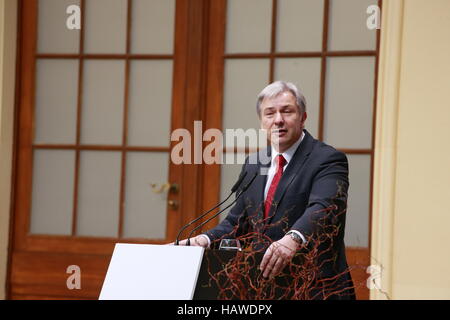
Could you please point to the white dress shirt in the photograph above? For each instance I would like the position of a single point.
(288, 154)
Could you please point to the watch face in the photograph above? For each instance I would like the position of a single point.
(295, 237)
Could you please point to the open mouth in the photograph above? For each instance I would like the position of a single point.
(279, 132)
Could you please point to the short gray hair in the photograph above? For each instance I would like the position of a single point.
(278, 87)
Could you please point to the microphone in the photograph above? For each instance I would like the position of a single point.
(219, 212)
(233, 190)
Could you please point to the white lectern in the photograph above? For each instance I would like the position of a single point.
(152, 272)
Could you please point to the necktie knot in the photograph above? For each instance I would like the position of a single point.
(281, 161)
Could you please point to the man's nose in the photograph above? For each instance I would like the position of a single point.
(278, 118)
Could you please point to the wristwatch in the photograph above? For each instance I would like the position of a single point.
(295, 236)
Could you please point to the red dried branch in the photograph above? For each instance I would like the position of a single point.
(301, 279)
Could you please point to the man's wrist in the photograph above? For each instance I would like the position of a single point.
(296, 236)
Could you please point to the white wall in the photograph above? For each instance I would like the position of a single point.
(411, 212)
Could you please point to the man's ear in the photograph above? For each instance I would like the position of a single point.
(303, 119)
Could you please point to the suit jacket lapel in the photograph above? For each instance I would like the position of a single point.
(297, 161)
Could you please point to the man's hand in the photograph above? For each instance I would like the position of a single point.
(277, 256)
(198, 241)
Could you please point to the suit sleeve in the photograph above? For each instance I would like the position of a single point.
(328, 198)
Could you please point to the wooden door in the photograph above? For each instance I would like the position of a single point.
(95, 112)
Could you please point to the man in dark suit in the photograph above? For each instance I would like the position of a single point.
(295, 199)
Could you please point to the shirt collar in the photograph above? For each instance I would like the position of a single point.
(289, 153)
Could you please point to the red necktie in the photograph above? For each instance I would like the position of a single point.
(281, 161)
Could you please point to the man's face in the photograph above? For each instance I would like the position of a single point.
(282, 119)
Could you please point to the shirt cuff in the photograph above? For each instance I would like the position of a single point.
(299, 234)
(207, 239)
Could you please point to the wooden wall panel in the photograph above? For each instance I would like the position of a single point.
(43, 275)
(358, 260)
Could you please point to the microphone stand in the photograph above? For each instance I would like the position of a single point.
(233, 190)
(219, 212)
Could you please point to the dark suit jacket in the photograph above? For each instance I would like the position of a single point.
(316, 178)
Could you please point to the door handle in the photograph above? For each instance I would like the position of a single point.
(171, 187)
